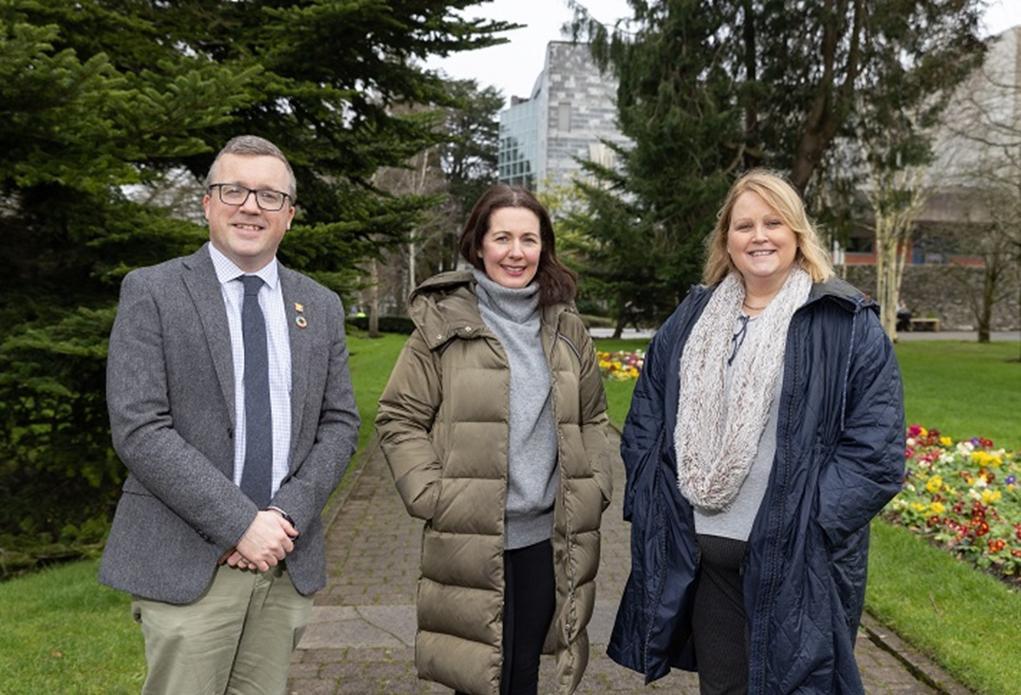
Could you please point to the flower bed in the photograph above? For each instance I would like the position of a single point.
(963, 496)
(621, 366)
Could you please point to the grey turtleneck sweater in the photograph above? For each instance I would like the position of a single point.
(532, 475)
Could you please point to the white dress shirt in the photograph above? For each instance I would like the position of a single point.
(271, 301)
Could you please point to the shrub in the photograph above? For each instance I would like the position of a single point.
(387, 324)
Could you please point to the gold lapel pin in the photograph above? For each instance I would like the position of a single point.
(300, 320)
(299, 307)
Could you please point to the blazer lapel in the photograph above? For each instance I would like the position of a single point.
(205, 292)
(301, 340)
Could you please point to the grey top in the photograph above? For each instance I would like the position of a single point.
(532, 475)
(736, 522)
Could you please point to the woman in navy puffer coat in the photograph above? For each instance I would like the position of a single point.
(839, 457)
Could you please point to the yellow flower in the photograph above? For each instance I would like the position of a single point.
(922, 432)
(989, 496)
(934, 484)
(918, 506)
(937, 508)
(984, 458)
(946, 441)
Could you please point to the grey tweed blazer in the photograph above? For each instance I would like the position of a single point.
(170, 393)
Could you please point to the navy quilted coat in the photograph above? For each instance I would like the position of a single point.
(839, 459)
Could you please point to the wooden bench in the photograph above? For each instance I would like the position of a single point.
(931, 325)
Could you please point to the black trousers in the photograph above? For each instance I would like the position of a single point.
(529, 601)
(719, 624)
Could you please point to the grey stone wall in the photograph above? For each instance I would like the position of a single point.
(939, 291)
(580, 110)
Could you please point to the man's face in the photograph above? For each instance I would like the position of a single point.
(244, 233)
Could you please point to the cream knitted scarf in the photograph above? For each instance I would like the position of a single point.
(718, 432)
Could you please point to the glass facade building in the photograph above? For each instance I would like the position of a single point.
(519, 144)
(570, 112)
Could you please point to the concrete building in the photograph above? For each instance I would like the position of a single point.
(963, 235)
(571, 109)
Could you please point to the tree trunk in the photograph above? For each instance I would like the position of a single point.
(985, 317)
(374, 302)
(886, 270)
(618, 330)
(753, 150)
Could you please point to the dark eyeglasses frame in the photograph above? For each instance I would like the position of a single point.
(250, 191)
(737, 340)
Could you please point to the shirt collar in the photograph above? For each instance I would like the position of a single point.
(226, 270)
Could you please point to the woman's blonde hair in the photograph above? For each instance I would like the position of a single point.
(781, 196)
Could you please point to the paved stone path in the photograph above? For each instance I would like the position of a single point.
(362, 633)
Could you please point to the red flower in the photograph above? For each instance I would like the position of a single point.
(996, 545)
(932, 520)
(981, 528)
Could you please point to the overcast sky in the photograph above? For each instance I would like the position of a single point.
(513, 66)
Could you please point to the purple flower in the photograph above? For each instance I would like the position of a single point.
(1010, 480)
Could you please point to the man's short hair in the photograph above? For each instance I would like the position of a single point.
(254, 146)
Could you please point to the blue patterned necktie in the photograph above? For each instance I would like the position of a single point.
(256, 478)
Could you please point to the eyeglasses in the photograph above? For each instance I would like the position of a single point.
(267, 199)
(737, 340)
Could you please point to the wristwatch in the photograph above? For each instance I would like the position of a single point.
(281, 512)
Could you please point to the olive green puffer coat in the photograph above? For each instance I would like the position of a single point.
(442, 425)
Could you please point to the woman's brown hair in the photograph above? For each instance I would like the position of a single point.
(557, 282)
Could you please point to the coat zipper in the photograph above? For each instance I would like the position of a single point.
(756, 683)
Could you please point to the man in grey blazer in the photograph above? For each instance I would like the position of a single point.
(231, 406)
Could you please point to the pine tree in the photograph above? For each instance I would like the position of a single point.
(709, 88)
(104, 102)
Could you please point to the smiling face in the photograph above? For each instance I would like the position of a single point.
(244, 233)
(511, 247)
(760, 243)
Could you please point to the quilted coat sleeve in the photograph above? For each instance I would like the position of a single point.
(867, 467)
(404, 423)
(593, 418)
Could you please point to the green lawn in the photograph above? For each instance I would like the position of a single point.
(62, 632)
(964, 389)
(964, 619)
(371, 362)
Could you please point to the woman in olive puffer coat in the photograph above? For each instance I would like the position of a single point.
(494, 427)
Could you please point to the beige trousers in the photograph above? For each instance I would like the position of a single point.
(237, 638)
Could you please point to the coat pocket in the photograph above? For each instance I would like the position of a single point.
(640, 478)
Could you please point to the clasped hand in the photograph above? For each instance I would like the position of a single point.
(268, 540)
